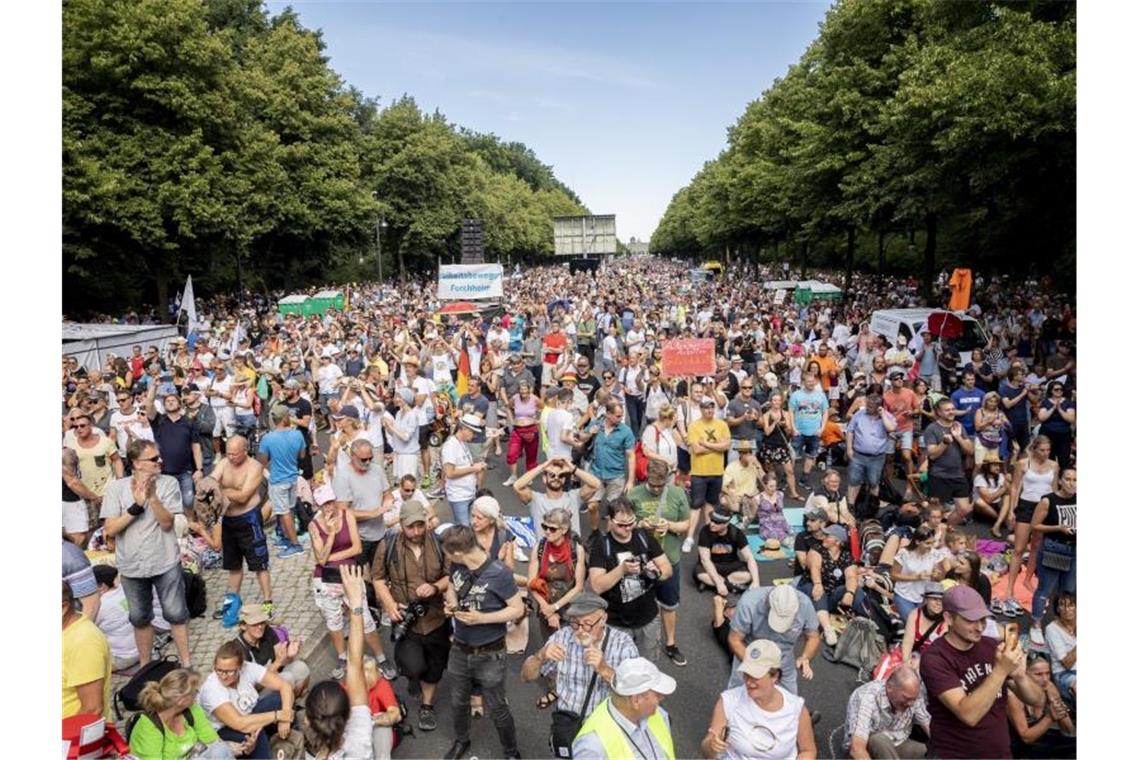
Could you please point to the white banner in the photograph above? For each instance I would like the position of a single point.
(188, 306)
(461, 282)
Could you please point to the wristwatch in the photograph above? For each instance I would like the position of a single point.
(135, 509)
(357, 610)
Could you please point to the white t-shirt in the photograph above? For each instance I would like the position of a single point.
(1060, 643)
(981, 482)
(243, 697)
(911, 563)
(357, 736)
(455, 452)
(327, 377)
(661, 444)
(558, 420)
(609, 348)
(426, 410)
(408, 425)
(221, 387)
(115, 623)
(121, 423)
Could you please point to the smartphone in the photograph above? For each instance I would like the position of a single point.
(1012, 635)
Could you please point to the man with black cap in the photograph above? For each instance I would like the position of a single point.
(811, 537)
(966, 675)
(581, 656)
(409, 573)
(724, 557)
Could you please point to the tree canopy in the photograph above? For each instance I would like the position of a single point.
(206, 137)
(953, 121)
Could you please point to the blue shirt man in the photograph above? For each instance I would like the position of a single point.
(967, 400)
(611, 442)
(808, 405)
(281, 451)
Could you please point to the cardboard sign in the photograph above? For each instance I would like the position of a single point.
(693, 356)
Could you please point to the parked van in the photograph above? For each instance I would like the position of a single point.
(891, 323)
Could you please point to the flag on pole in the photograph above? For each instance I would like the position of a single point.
(187, 306)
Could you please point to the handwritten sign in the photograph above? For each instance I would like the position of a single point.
(693, 356)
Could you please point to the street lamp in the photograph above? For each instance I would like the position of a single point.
(381, 224)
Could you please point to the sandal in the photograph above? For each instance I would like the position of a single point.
(546, 700)
(477, 709)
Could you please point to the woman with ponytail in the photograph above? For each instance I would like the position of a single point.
(172, 725)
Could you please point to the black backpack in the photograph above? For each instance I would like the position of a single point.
(127, 697)
(195, 593)
(305, 513)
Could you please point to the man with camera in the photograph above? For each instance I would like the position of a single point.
(625, 565)
(409, 577)
(482, 598)
(582, 656)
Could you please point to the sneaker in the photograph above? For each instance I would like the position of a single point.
(385, 620)
(1012, 608)
(675, 655)
(520, 555)
(435, 493)
(1036, 637)
(802, 483)
(510, 481)
(687, 545)
(290, 550)
(427, 718)
(458, 750)
(338, 672)
(388, 669)
(267, 608)
(830, 636)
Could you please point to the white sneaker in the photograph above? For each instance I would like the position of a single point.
(510, 481)
(520, 555)
(1036, 637)
(830, 636)
(687, 545)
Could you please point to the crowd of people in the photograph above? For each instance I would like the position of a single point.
(903, 487)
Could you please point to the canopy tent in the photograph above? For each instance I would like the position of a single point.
(780, 285)
(90, 343)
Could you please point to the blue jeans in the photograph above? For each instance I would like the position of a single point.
(186, 486)
(267, 702)
(461, 511)
(904, 606)
(1049, 579)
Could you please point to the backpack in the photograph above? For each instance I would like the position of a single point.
(640, 463)
(195, 593)
(860, 645)
(866, 504)
(134, 719)
(127, 697)
(305, 512)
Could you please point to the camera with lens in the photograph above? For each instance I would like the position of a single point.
(409, 616)
(649, 574)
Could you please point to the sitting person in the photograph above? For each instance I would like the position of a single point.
(739, 485)
(832, 580)
(1061, 639)
(770, 511)
(172, 723)
(913, 567)
(230, 699)
(261, 644)
(991, 491)
(1046, 731)
(86, 663)
(385, 710)
(113, 619)
(724, 556)
(832, 500)
(724, 610)
(924, 624)
(882, 714)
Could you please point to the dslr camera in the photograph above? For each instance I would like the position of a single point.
(649, 572)
(411, 614)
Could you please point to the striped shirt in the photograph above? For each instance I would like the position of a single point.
(870, 712)
(573, 675)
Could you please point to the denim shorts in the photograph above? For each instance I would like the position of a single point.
(669, 592)
(171, 596)
(905, 439)
(865, 469)
(283, 497)
(806, 445)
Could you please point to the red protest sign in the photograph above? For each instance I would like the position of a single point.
(693, 356)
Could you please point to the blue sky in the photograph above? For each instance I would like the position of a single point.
(625, 100)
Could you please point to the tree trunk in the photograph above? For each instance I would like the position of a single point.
(928, 257)
(850, 261)
(400, 260)
(803, 260)
(162, 294)
(882, 257)
(240, 283)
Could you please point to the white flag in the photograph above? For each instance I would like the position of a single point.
(187, 306)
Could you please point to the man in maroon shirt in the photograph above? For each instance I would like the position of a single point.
(966, 675)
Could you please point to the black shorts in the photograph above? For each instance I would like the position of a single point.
(724, 569)
(705, 489)
(423, 657)
(1023, 512)
(425, 436)
(948, 488)
(243, 537)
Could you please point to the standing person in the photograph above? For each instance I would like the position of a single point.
(966, 676)
(475, 402)
(363, 487)
(905, 406)
(784, 616)
(243, 536)
(559, 426)
(202, 417)
(1057, 416)
(625, 564)
(663, 508)
(1016, 398)
(281, 452)
(868, 440)
(708, 439)
(410, 579)
(927, 357)
(808, 405)
(633, 377)
(301, 417)
(1034, 478)
(968, 400)
(1055, 519)
(177, 439)
(138, 512)
(553, 344)
(403, 435)
(881, 715)
(760, 720)
(460, 470)
(98, 462)
(556, 477)
(482, 598)
(613, 460)
(631, 723)
(946, 446)
(422, 390)
(522, 418)
(128, 421)
(742, 415)
(777, 428)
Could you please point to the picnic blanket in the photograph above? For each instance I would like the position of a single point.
(795, 518)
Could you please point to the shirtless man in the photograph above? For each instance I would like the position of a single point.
(242, 532)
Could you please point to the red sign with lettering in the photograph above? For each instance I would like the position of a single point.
(693, 356)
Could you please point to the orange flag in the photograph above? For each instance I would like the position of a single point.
(960, 282)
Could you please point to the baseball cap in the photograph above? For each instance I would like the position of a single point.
(411, 512)
(783, 606)
(815, 513)
(759, 658)
(638, 675)
(706, 401)
(895, 372)
(721, 516)
(348, 410)
(407, 395)
(965, 601)
(292, 383)
(323, 494)
(838, 532)
(279, 412)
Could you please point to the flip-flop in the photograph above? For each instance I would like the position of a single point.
(546, 700)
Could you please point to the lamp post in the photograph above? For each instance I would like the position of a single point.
(381, 224)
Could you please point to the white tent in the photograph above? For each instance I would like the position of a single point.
(91, 343)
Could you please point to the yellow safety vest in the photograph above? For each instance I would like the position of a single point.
(613, 738)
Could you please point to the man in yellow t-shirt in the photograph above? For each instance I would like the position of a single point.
(741, 482)
(708, 439)
(86, 663)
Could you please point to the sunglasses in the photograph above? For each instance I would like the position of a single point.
(626, 525)
(550, 528)
(155, 458)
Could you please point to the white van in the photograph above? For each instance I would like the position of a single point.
(891, 323)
